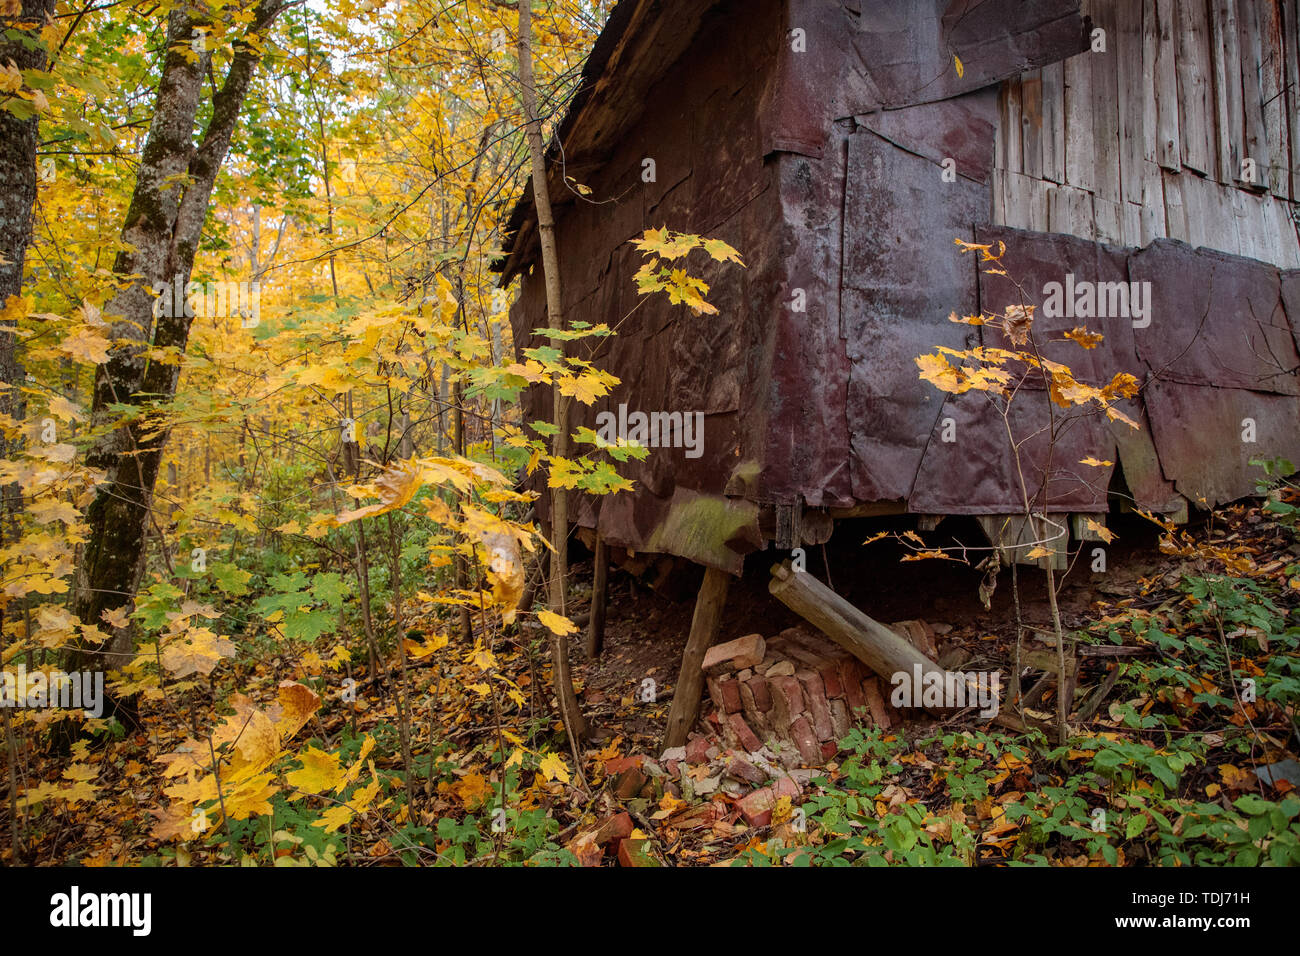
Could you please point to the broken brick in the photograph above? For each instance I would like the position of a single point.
(780, 669)
(696, 749)
(629, 783)
(616, 765)
(637, 853)
(879, 713)
(748, 739)
(742, 652)
(756, 807)
(815, 697)
(741, 769)
(801, 733)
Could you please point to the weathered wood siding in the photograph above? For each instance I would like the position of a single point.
(1155, 136)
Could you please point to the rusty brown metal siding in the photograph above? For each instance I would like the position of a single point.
(823, 169)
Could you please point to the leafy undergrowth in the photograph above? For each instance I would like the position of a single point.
(1172, 769)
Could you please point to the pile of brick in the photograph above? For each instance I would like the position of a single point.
(798, 693)
(778, 707)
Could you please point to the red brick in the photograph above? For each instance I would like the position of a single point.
(851, 676)
(742, 769)
(762, 699)
(823, 648)
(617, 765)
(617, 827)
(840, 717)
(801, 733)
(879, 713)
(715, 692)
(734, 655)
(730, 688)
(629, 783)
(756, 807)
(815, 697)
(748, 739)
(918, 634)
(696, 750)
(755, 717)
(787, 701)
(636, 853)
(829, 672)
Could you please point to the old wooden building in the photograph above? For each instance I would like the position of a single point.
(841, 146)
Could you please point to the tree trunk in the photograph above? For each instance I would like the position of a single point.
(161, 233)
(569, 709)
(19, 44)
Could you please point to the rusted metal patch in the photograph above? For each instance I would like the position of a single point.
(883, 54)
(1216, 320)
(1201, 433)
(898, 288)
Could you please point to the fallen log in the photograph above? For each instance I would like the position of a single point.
(871, 642)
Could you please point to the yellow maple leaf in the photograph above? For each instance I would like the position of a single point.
(85, 345)
(1100, 530)
(556, 623)
(320, 771)
(394, 488)
(252, 797)
(198, 653)
(297, 702)
(65, 410)
(335, 818)
(473, 790)
(1084, 338)
(552, 767)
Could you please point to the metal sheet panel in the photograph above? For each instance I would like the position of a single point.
(1201, 436)
(1217, 320)
(901, 278)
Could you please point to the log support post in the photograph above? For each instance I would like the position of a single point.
(690, 681)
(599, 592)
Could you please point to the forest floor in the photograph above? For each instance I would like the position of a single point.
(1170, 763)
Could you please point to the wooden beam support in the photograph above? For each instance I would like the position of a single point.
(599, 593)
(690, 681)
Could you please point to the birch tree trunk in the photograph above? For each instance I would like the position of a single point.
(161, 234)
